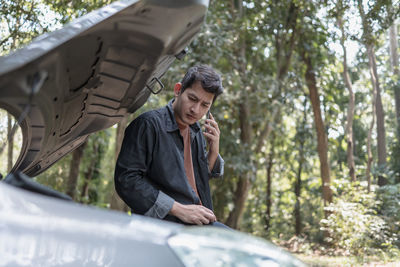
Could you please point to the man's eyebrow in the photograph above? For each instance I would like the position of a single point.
(197, 98)
(193, 95)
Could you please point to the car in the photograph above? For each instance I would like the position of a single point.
(81, 79)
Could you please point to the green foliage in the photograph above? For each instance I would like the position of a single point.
(379, 17)
(395, 161)
(389, 208)
(356, 225)
(250, 46)
(4, 144)
(56, 176)
(20, 22)
(93, 177)
(71, 9)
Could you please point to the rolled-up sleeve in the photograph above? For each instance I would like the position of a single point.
(161, 207)
(218, 169)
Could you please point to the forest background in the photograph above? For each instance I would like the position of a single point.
(310, 120)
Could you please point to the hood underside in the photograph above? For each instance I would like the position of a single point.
(89, 75)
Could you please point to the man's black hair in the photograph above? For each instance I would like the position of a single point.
(209, 78)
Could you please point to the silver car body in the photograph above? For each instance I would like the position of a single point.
(79, 80)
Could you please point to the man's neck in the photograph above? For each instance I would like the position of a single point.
(181, 125)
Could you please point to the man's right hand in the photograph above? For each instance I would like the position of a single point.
(193, 214)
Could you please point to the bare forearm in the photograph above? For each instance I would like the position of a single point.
(212, 157)
(212, 134)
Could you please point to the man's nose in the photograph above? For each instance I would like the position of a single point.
(195, 108)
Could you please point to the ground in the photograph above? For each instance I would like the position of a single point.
(330, 261)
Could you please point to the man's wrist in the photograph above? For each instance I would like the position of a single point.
(213, 153)
(176, 209)
(211, 160)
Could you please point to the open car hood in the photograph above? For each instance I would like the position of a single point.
(93, 72)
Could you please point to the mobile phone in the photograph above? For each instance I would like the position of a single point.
(207, 117)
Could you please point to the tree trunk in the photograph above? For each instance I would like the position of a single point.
(396, 72)
(219, 197)
(396, 75)
(380, 116)
(243, 184)
(369, 142)
(74, 170)
(297, 191)
(269, 164)
(284, 44)
(91, 170)
(350, 109)
(85, 188)
(297, 187)
(10, 142)
(322, 145)
(242, 189)
(98, 143)
(116, 203)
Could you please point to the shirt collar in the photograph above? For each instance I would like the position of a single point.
(171, 124)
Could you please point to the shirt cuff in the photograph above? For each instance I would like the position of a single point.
(161, 207)
(218, 169)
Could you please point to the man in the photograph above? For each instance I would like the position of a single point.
(163, 168)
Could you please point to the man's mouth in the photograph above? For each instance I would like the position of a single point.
(191, 117)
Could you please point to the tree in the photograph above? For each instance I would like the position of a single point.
(93, 155)
(280, 23)
(23, 20)
(116, 202)
(369, 142)
(268, 195)
(312, 54)
(68, 10)
(301, 136)
(381, 13)
(311, 81)
(74, 170)
(394, 60)
(394, 56)
(10, 136)
(349, 85)
(245, 127)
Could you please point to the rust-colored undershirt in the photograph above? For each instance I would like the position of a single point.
(187, 156)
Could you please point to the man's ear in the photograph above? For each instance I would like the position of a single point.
(177, 89)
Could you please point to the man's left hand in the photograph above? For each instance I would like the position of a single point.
(212, 133)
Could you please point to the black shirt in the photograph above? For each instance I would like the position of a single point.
(150, 173)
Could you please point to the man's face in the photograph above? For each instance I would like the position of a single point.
(191, 105)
